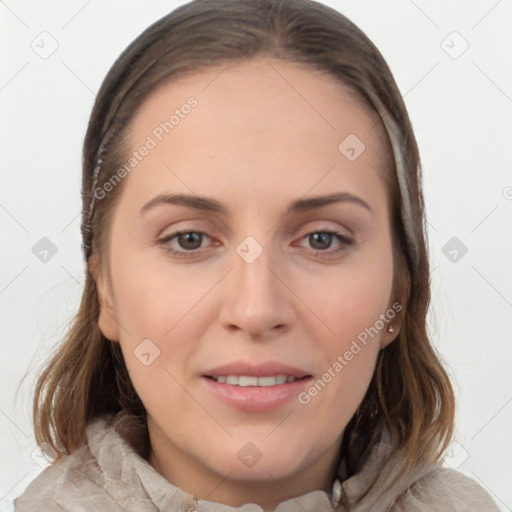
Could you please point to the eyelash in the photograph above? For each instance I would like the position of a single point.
(346, 243)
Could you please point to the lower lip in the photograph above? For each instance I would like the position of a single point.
(256, 398)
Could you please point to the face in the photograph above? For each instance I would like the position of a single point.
(260, 277)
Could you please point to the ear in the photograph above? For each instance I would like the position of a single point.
(107, 320)
(388, 337)
(395, 324)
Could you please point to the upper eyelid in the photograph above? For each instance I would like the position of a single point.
(310, 226)
(303, 232)
(335, 232)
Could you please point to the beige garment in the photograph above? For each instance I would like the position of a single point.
(107, 475)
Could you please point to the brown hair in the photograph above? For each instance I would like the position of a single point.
(410, 392)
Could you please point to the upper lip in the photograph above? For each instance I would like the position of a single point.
(265, 369)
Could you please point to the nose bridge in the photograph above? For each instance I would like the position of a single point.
(256, 284)
(256, 300)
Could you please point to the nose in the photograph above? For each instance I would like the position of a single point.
(256, 299)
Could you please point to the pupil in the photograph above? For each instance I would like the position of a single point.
(185, 238)
(324, 238)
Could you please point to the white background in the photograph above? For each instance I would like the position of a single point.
(461, 109)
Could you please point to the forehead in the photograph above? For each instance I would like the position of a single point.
(260, 125)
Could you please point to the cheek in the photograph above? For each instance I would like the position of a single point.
(353, 306)
(353, 313)
(351, 297)
(154, 299)
(160, 309)
(166, 306)
(334, 397)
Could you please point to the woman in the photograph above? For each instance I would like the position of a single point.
(238, 348)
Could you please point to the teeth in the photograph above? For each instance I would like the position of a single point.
(249, 380)
(243, 380)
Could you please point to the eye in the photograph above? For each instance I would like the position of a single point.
(321, 241)
(189, 241)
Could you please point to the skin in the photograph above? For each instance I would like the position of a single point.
(254, 143)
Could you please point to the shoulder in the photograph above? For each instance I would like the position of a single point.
(68, 484)
(75, 482)
(445, 489)
(386, 483)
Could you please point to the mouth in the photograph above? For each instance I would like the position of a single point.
(252, 386)
(255, 381)
(255, 394)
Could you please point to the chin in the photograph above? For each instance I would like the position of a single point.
(258, 460)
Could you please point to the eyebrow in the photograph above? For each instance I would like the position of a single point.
(212, 205)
